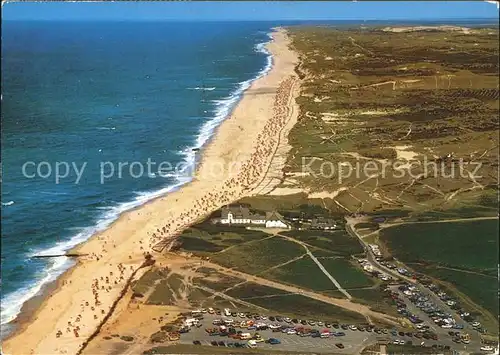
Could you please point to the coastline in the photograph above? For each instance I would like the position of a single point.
(16, 309)
(233, 140)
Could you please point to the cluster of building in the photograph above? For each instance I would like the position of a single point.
(239, 215)
(243, 216)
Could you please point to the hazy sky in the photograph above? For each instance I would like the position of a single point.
(277, 10)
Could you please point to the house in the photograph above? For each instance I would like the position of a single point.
(275, 220)
(323, 223)
(240, 215)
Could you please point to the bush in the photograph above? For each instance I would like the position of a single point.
(159, 337)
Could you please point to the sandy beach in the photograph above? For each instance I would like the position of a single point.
(233, 165)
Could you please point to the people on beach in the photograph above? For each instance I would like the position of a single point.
(162, 237)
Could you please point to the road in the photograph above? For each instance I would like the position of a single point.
(475, 336)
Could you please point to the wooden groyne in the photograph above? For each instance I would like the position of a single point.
(69, 255)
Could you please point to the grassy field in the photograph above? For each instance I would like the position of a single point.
(468, 245)
(250, 290)
(206, 238)
(348, 274)
(338, 242)
(303, 273)
(253, 258)
(464, 254)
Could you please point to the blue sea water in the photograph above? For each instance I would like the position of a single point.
(93, 92)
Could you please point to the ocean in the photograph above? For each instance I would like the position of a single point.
(80, 98)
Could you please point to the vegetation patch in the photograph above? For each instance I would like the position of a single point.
(347, 273)
(303, 273)
(251, 290)
(252, 259)
(338, 242)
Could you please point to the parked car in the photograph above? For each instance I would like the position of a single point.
(273, 341)
(196, 342)
(339, 345)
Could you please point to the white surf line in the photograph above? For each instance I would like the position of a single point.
(327, 274)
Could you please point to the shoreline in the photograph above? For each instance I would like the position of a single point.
(194, 152)
(70, 309)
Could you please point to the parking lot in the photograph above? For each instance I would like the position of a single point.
(352, 342)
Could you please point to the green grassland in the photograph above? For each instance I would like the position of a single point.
(468, 245)
(338, 242)
(255, 257)
(250, 290)
(205, 238)
(347, 273)
(303, 273)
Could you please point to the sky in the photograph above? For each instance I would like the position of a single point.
(249, 10)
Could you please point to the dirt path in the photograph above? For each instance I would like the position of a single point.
(322, 268)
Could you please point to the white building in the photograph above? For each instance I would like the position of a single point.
(239, 215)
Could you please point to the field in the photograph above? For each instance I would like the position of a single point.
(390, 98)
(250, 290)
(205, 238)
(347, 273)
(466, 245)
(303, 273)
(338, 242)
(256, 257)
(463, 254)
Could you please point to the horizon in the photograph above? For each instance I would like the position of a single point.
(249, 11)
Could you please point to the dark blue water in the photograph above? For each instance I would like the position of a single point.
(89, 93)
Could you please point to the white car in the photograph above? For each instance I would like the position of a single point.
(353, 327)
(288, 320)
(476, 324)
(446, 326)
(320, 324)
(274, 326)
(263, 317)
(486, 348)
(291, 331)
(242, 315)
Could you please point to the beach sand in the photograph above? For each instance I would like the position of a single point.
(86, 294)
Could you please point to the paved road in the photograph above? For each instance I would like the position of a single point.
(475, 336)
